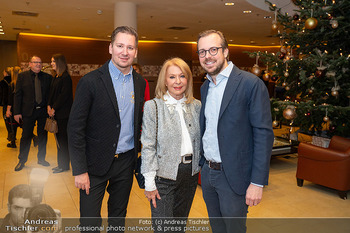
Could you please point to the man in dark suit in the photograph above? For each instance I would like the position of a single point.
(30, 107)
(237, 136)
(104, 131)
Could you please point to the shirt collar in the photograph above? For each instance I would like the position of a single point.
(116, 73)
(223, 74)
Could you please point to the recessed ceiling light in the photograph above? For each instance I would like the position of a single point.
(229, 3)
(2, 33)
(247, 12)
(143, 37)
(267, 17)
(1, 30)
(175, 38)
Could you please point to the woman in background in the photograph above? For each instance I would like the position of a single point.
(170, 142)
(11, 124)
(59, 105)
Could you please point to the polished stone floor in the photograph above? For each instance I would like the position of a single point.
(282, 198)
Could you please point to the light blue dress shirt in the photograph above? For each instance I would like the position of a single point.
(124, 91)
(211, 113)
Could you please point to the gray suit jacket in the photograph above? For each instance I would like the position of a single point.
(165, 156)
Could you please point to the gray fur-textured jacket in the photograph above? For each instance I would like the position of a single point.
(164, 158)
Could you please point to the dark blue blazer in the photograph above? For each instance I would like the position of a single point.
(245, 132)
(94, 122)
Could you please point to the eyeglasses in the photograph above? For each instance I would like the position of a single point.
(212, 51)
(36, 62)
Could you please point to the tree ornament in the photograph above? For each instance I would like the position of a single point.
(335, 93)
(319, 73)
(274, 78)
(283, 49)
(284, 84)
(289, 113)
(274, 26)
(326, 118)
(311, 23)
(287, 88)
(295, 17)
(286, 74)
(281, 55)
(266, 75)
(275, 124)
(308, 114)
(311, 91)
(334, 23)
(256, 69)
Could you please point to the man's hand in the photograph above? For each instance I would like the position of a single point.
(254, 195)
(82, 181)
(151, 196)
(18, 118)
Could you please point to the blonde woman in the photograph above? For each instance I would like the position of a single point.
(170, 142)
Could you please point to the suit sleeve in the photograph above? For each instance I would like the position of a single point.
(260, 118)
(148, 139)
(77, 126)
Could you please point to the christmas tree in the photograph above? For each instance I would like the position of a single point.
(312, 66)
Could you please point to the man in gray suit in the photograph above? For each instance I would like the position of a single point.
(104, 131)
(237, 136)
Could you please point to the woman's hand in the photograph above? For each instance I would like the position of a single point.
(8, 114)
(151, 196)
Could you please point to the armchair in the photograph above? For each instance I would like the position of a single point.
(329, 167)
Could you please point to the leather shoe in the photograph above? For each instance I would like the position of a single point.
(12, 145)
(59, 170)
(44, 163)
(19, 166)
(55, 168)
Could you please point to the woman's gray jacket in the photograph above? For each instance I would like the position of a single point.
(165, 157)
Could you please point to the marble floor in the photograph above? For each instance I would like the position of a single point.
(282, 198)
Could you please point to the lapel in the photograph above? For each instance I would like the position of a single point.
(107, 81)
(230, 89)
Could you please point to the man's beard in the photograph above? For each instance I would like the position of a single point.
(217, 70)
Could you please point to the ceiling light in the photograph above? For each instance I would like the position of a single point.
(229, 3)
(247, 12)
(267, 17)
(175, 38)
(2, 33)
(143, 37)
(1, 30)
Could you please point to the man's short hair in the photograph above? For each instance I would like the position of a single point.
(20, 191)
(224, 43)
(127, 30)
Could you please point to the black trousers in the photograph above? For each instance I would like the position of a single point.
(63, 157)
(11, 126)
(176, 198)
(39, 116)
(118, 182)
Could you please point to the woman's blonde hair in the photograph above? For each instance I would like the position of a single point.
(14, 74)
(161, 88)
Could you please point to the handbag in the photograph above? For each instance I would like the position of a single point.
(139, 177)
(51, 125)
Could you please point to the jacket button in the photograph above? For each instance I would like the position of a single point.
(115, 144)
(118, 126)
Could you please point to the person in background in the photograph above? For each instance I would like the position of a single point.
(104, 131)
(59, 105)
(171, 142)
(19, 201)
(9, 108)
(30, 107)
(236, 133)
(138, 69)
(4, 92)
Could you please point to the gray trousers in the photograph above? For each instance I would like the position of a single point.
(176, 198)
